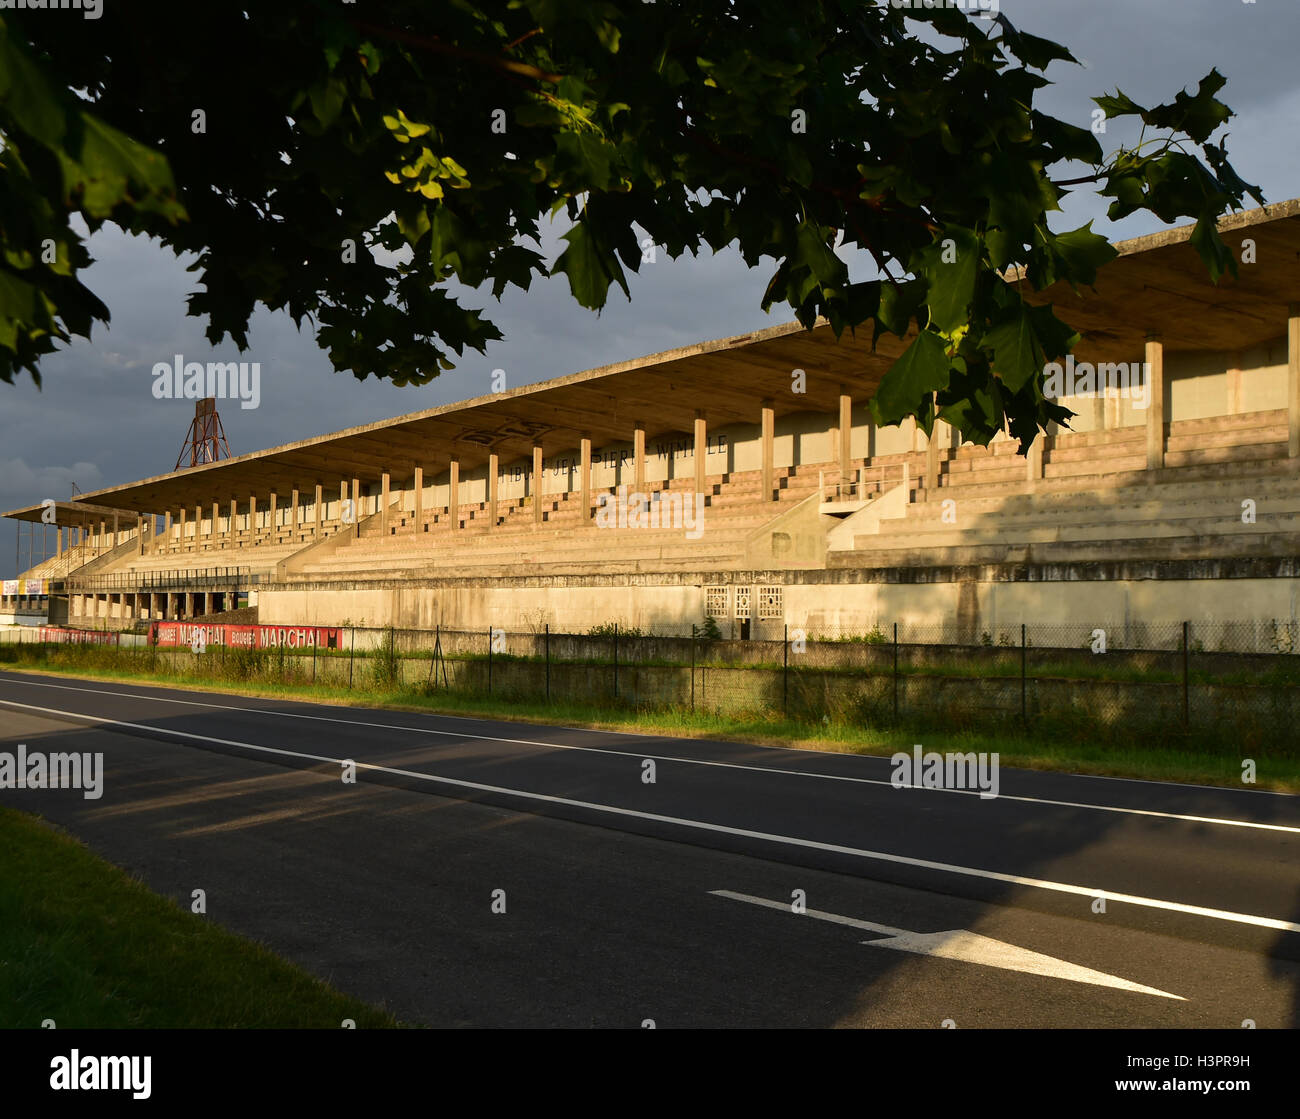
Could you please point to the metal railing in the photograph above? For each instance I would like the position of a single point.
(141, 581)
(865, 483)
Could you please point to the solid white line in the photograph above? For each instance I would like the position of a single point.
(770, 770)
(721, 829)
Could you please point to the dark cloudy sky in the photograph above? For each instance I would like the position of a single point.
(96, 423)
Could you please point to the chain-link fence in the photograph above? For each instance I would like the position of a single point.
(1221, 685)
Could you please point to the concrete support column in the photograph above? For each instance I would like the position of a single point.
(1155, 358)
(537, 484)
(1236, 386)
(215, 534)
(139, 536)
(293, 514)
(320, 497)
(1034, 460)
(99, 539)
(356, 506)
(343, 497)
(252, 518)
(768, 426)
(701, 450)
(116, 538)
(638, 457)
(492, 466)
(198, 525)
(846, 438)
(385, 484)
(453, 492)
(273, 526)
(417, 488)
(180, 529)
(1293, 380)
(932, 464)
(584, 477)
(231, 522)
(207, 602)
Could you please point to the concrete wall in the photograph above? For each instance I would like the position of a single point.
(810, 601)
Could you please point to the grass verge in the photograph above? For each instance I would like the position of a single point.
(88, 946)
(1058, 746)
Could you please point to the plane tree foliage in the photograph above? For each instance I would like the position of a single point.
(345, 162)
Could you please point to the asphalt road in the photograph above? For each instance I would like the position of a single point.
(674, 901)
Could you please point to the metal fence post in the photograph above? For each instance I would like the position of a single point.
(895, 672)
(351, 653)
(1024, 693)
(692, 673)
(785, 676)
(437, 649)
(548, 662)
(616, 660)
(1187, 656)
(489, 660)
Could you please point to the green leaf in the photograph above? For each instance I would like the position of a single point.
(590, 268)
(1118, 105)
(112, 170)
(950, 268)
(1017, 356)
(921, 370)
(1083, 253)
(1206, 241)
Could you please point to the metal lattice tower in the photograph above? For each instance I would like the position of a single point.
(206, 439)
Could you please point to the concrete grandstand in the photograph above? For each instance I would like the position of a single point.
(743, 478)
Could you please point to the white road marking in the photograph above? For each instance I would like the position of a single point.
(1089, 892)
(1215, 820)
(969, 947)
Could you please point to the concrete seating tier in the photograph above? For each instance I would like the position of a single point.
(1104, 507)
(265, 538)
(444, 544)
(261, 558)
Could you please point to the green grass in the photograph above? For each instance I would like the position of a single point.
(1061, 745)
(88, 946)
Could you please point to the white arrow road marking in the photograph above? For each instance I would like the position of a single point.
(969, 947)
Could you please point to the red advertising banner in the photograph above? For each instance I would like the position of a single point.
(179, 634)
(60, 635)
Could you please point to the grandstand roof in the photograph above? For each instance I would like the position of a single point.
(1159, 283)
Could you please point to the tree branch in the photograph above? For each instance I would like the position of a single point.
(433, 43)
